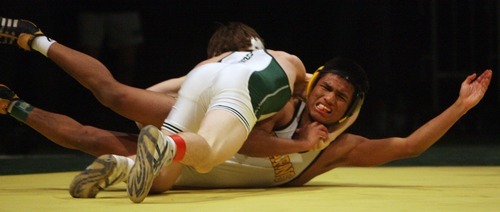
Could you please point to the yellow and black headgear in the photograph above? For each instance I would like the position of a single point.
(349, 70)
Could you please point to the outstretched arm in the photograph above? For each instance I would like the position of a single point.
(368, 152)
(354, 150)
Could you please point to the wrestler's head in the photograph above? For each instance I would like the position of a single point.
(233, 36)
(335, 90)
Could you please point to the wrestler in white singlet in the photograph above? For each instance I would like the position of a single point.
(251, 84)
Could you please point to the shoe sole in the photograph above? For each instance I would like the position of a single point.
(88, 183)
(143, 172)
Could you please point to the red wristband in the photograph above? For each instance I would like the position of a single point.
(181, 147)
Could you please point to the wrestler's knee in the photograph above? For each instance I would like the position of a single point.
(207, 164)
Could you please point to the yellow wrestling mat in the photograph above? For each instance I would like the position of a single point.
(471, 188)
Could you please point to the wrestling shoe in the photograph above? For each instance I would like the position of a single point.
(153, 152)
(6, 97)
(105, 171)
(19, 31)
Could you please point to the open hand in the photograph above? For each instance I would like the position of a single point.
(473, 88)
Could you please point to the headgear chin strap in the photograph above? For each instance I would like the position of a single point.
(355, 105)
(335, 130)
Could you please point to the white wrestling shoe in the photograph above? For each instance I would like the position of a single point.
(153, 152)
(105, 171)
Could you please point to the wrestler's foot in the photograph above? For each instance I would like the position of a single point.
(7, 96)
(18, 31)
(105, 171)
(153, 152)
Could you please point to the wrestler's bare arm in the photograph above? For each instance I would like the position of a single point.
(371, 152)
(262, 142)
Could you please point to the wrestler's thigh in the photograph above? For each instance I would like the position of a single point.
(224, 132)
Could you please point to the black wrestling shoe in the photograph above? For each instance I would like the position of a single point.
(18, 32)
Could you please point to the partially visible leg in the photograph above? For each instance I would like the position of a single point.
(136, 104)
(66, 131)
(140, 105)
(221, 135)
(166, 178)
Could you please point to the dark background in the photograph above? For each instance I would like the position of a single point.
(416, 54)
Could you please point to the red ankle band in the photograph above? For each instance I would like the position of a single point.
(181, 147)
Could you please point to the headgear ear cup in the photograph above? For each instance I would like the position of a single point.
(312, 81)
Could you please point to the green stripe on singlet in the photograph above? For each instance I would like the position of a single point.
(269, 89)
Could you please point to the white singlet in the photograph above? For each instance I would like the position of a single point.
(251, 84)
